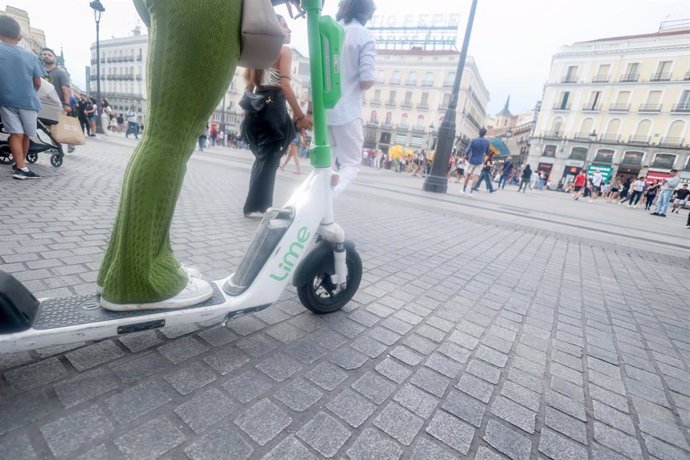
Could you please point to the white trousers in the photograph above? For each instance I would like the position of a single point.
(346, 144)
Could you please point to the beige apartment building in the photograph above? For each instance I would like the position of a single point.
(412, 91)
(620, 105)
(33, 39)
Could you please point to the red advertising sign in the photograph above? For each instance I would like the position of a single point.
(657, 175)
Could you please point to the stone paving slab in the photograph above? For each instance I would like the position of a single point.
(468, 337)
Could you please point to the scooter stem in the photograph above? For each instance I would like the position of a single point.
(321, 153)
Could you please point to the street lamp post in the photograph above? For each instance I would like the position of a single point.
(437, 181)
(98, 9)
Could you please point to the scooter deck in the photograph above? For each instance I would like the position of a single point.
(74, 311)
(68, 320)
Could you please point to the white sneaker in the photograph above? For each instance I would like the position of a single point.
(462, 191)
(470, 195)
(196, 291)
(192, 272)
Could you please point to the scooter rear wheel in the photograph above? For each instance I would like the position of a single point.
(321, 296)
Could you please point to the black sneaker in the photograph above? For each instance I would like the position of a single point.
(23, 175)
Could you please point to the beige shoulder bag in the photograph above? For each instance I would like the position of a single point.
(262, 36)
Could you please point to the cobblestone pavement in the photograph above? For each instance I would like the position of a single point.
(469, 336)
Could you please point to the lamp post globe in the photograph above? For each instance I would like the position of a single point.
(98, 10)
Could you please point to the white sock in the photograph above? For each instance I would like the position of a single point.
(25, 169)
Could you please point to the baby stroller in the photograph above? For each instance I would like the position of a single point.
(49, 115)
(44, 143)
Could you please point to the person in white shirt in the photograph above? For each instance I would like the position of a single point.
(636, 190)
(597, 179)
(345, 132)
(667, 188)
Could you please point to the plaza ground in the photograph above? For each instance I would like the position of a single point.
(505, 325)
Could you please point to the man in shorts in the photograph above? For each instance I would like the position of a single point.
(680, 196)
(476, 151)
(20, 78)
(579, 184)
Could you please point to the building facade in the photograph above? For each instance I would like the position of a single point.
(33, 39)
(620, 105)
(122, 73)
(409, 100)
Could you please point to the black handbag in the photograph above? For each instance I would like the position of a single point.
(252, 102)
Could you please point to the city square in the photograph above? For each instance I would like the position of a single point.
(243, 229)
(510, 324)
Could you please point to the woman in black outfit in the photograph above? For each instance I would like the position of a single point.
(270, 130)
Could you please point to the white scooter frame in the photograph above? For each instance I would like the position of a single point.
(306, 218)
(300, 243)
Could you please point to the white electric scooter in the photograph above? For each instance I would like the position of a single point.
(299, 243)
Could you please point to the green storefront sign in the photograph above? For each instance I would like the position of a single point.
(605, 171)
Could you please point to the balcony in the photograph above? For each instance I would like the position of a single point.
(139, 58)
(569, 79)
(600, 79)
(639, 140)
(376, 102)
(552, 134)
(410, 82)
(448, 84)
(686, 77)
(403, 126)
(418, 129)
(391, 104)
(422, 106)
(582, 137)
(591, 108)
(650, 108)
(618, 107)
(610, 138)
(387, 124)
(394, 81)
(406, 105)
(660, 76)
(671, 142)
(681, 108)
(427, 84)
(372, 123)
(629, 77)
(561, 107)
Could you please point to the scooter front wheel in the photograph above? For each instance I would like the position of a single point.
(320, 295)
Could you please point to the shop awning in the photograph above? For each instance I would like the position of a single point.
(500, 147)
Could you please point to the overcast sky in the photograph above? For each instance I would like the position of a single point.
(512, 41)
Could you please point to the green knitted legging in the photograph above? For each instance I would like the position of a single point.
(193, 50)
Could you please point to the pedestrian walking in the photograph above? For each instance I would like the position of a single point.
(679, 198)
(292, 153)
(636, 190)
(91, 112)
(667, 187)
(506, 172)
(597, 180)
(59, 78)
(20, 79)
(132, 123)
(106, 115)
(270, 130)
(485, 175)
(579, 184)
(525, 179)
(358, 72)
(460, 167)
(476, 151)
(203, 136)
(650, 194)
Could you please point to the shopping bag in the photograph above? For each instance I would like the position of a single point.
(68, 131)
